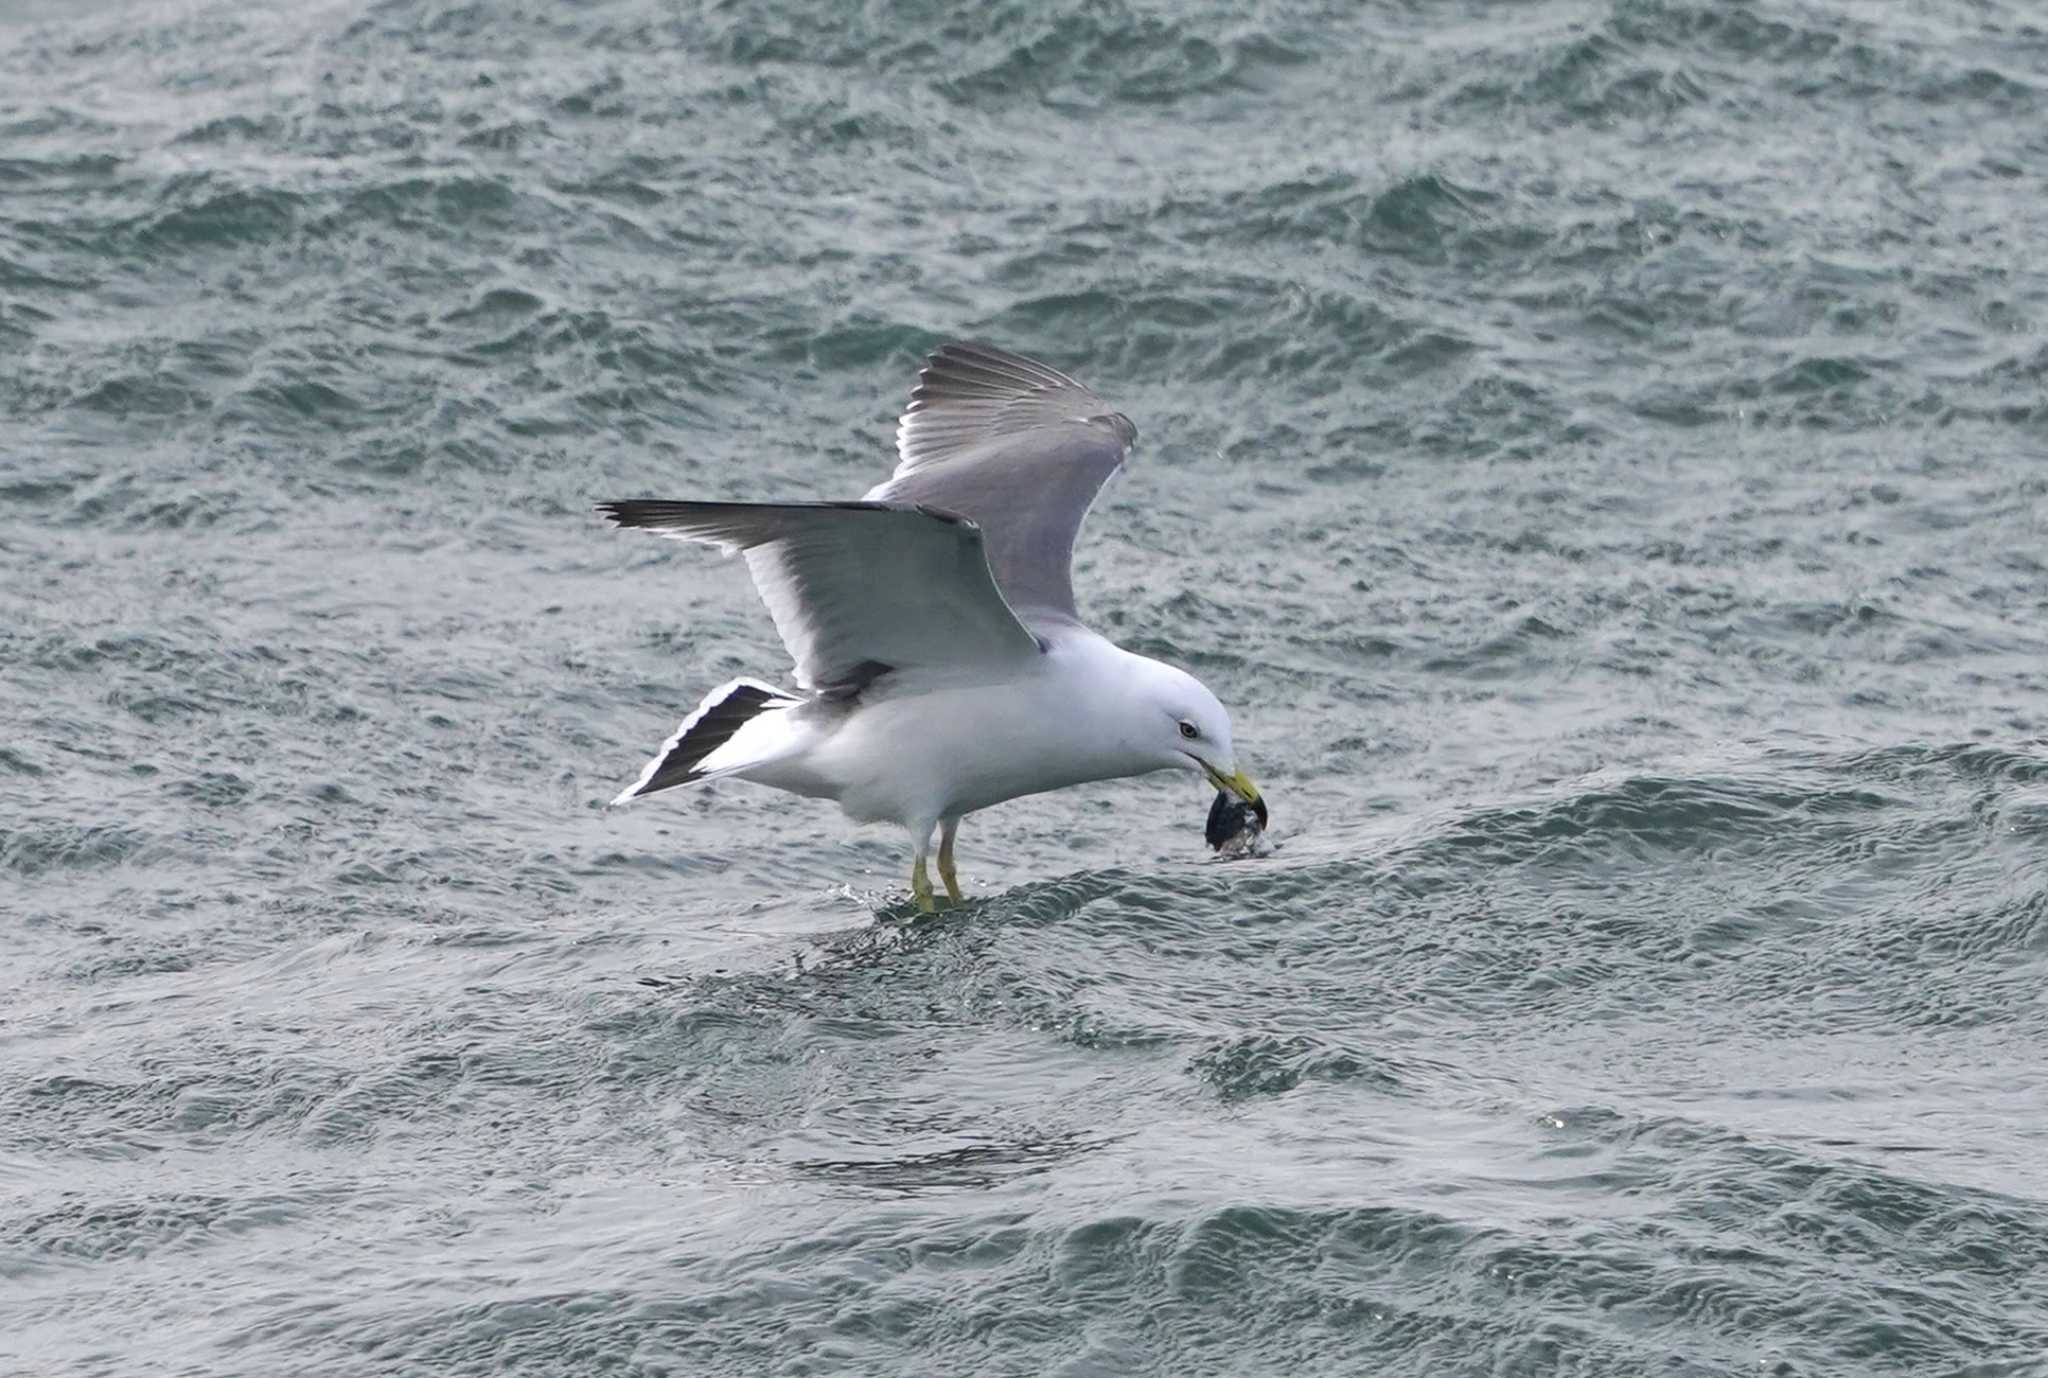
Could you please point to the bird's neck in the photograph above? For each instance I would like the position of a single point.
(1111, 713)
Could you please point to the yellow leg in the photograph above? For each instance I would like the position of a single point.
(921, 887)
(946, 872)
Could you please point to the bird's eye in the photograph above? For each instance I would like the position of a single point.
(1188, 730)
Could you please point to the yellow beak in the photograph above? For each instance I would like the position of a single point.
(1240, 785)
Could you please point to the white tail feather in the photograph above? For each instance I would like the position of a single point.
(760, 738)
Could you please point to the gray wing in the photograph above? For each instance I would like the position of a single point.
(1018, 448)
(855, 588)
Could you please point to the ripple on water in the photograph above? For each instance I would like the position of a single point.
(1593, 453)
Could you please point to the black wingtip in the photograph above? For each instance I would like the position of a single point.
(630, 511)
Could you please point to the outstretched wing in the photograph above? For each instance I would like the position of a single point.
(1018, 448)
(855, 588)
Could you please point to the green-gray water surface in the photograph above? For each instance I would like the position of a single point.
(1600, 451)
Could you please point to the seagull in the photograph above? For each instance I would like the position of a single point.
(941, 663)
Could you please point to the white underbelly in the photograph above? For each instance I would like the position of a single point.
(911, 757)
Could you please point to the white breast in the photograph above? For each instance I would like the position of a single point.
(927, 749)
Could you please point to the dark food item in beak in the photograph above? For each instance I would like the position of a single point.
(1236, 828)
